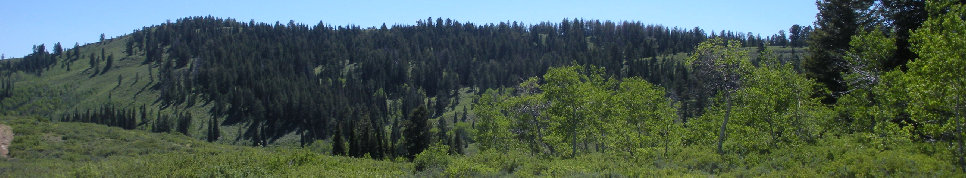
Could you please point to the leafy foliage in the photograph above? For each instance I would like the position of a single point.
(578, 110)
(720, 67)
(937, 86)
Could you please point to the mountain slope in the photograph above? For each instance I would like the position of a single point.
(56, 149)
(287, 83)
(77, 87)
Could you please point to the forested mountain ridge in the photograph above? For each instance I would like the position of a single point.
(580, 97)
(275, 77)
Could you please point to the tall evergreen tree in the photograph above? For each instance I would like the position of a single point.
(108, 63)
(463, 118)
(213, 130)
(903, 16)
(441, 131)
(458, 144)
(837, 21)
(416, 133)
(76, 52)
(338, 144)
(58, 50)
(184, 123)
(395, 137)
(93, 63)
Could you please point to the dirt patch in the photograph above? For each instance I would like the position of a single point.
(50, 137)
(6, 137)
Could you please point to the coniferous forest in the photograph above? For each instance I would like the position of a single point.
(872, 88)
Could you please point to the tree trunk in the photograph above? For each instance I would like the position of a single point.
(573, 152)
(640, 135)
(798, 120)
(667, 138)
(724, 124)
(600, 143)
(959, 133)
(881, 115)
(540, 138)
(771, 131)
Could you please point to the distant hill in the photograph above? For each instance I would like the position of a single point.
(290, 83)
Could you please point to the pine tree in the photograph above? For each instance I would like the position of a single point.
(213, 131)
(441, 136)
(394, 136)
(458, 144)
(463, 118)
(58, 50)
(184, 123)
(144, 114)
(129, 48)
(108, 64)
(837, 21)
(416, 134)
(338, 144)
(354, 139)
(76, 52)
(92, 61)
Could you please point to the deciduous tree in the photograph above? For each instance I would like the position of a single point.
(938, 88)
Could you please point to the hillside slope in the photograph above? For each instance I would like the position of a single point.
(65, 149)
(78, 87)
(291, 83)
(64, 89)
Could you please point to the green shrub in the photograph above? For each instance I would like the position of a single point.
(436, 156)
(463, 167)
(320, 146)
(533, 167)
(506, 162)
(864, 162)
(699, 158)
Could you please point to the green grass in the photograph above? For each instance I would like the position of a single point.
(62, 149)
(845, 156)
(59, 91)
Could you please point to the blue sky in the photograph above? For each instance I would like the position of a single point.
(25, 23)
